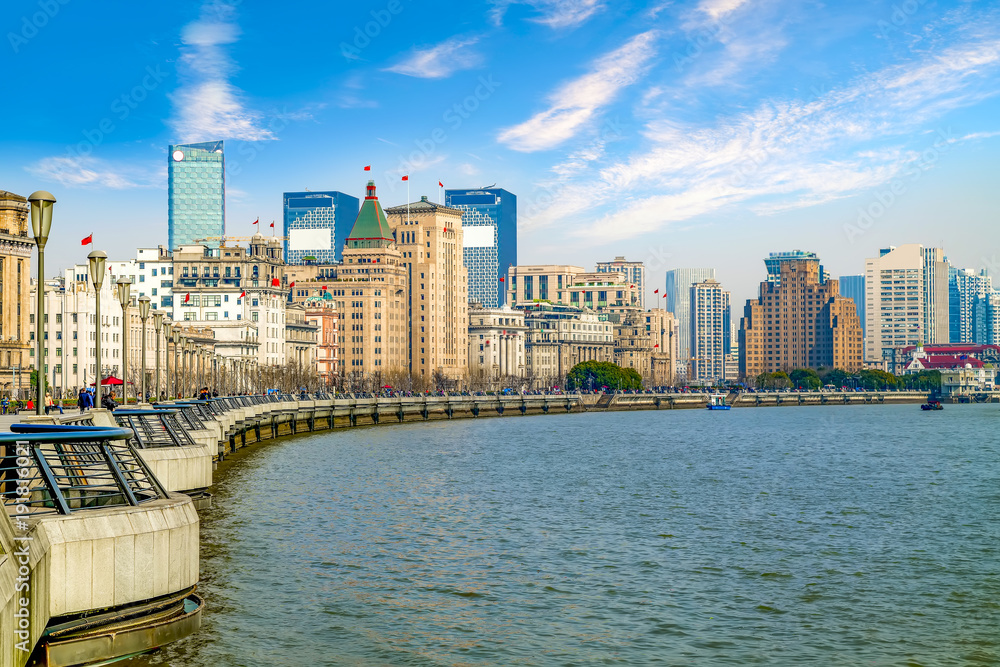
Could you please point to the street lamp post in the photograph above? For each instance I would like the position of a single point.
(143, 317)
(124, 294)
(177, 368)
(41, 222)
(97, 260)
(157, 327)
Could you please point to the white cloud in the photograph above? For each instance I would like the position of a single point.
(783, 154)
(577, 102)
(91, 172)
(556, 14)
(206, 106)
(717, 9)
(439, 61)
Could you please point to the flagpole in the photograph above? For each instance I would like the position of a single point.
(407, 199)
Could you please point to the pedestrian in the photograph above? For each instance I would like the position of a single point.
(108, 401)
(4, 404)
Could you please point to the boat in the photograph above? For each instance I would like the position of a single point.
(932, 405)
(717, 402)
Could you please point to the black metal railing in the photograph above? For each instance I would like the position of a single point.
(154, 428)
(188, 416)
(59, 469)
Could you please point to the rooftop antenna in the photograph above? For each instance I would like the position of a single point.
(487, 187)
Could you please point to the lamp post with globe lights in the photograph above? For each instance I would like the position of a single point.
(124, 294)
(157, 331)
(97, 261)
(41, 222)
(143, 317)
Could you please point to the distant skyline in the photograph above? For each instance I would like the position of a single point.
(680, 134)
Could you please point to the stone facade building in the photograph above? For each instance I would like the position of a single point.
(324, 316)
(15, 280)
(560, 337)
(800, 322)
(429, 236)
(371, 293)
(497, 339)
(301, 338)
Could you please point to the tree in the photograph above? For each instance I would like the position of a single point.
(777, 380)
(598, 374)
(805, 378)
(34, 382)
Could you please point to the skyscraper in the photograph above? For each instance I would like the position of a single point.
(317, 225)
(853, 287)
(799, 322)
(678, 292)
(489, 221)
(709, 330)
(634, 272)
(906, 299)
(196, 193)
(973, 291)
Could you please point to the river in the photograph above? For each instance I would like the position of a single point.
(832, 535)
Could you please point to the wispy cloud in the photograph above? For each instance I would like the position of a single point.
(783, 154)
(91, 172)
(556, 14)
(717, 9)
(207, 106)
(577, 102)
(438, 62)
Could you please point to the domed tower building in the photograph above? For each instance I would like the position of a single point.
(370, 289)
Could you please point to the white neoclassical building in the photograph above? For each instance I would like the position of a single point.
(496, 342)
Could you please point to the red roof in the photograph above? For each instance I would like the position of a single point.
(938, 349)
(946, 361)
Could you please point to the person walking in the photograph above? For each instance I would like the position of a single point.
(108, 401)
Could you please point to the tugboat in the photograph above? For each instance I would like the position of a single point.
(932, 405)
(717, 402)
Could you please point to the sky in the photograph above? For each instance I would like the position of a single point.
(682, 134)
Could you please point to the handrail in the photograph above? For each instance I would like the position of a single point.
(61, 469)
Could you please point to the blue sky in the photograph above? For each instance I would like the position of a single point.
(702, 133)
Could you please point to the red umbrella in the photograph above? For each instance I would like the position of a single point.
(111, 379)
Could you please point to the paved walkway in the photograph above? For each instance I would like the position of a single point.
(7, 420)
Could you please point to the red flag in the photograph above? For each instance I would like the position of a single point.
(242, 294)
(630, 286)
(440, 184)
(291, 284)
(368, 167)
(275, 282)
(501, 280)
(272, 224)
(656, 291)
(255, 221)
(406, 178)
(88, 240)
(187, 297)
(657, 345)
(664, 295)
(323, 288)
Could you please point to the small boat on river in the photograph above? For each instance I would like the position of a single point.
(717, 402)
(932, 405)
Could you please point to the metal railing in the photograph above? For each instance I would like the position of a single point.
(154, 428)
(58, 469)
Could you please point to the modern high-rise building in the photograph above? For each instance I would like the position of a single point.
(15, 282)
(317, 225)
(678, 302)
(973, 293)
(430, 237)
(799, 322)
(853, 287)
(196, 194)
(709, 331)
(906, 299)
(489, 218)
(774, 261)
(634, 272)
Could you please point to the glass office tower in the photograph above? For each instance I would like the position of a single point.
(853, 287)
(196, 193)
(489, 233)
(317, 225)
(678, 300)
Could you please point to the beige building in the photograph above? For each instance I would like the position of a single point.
(497, 339)
(799, 322)
(370, 290)
(429, 236)
(219, 286)
(571, 286)
(15, 280)
(646, 341)
(560, 337)
(709, 331)
(906, 299)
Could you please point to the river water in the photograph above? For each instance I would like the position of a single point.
(824, 535)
